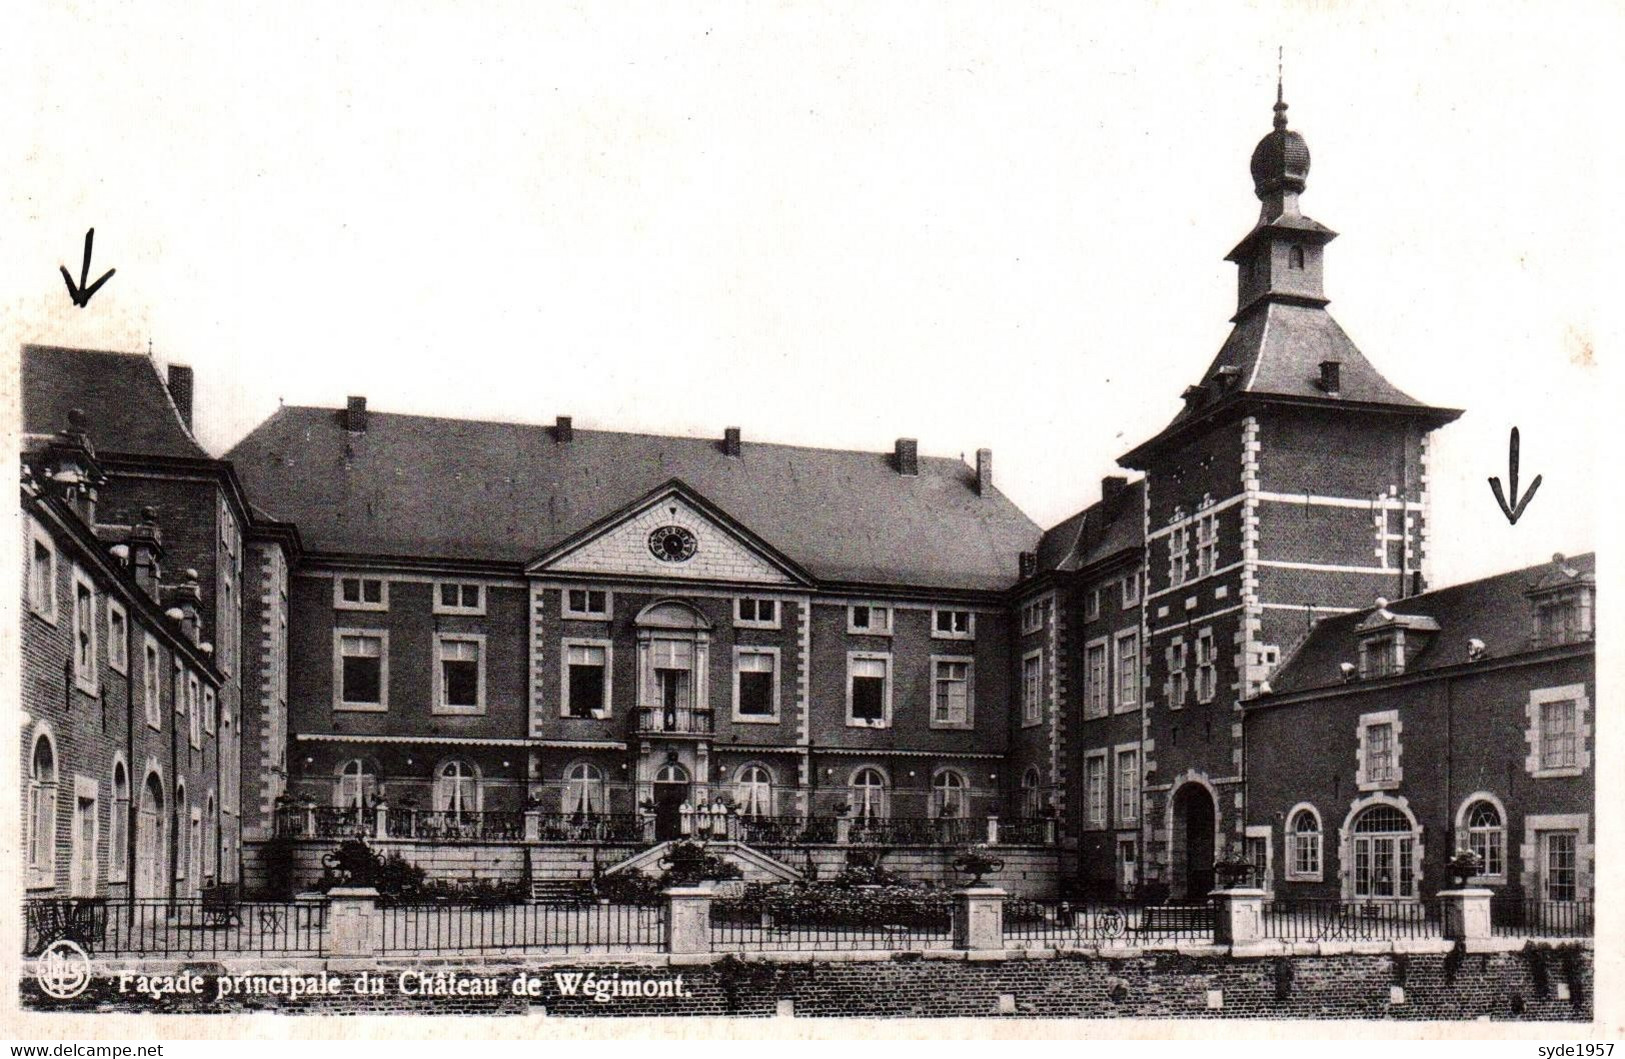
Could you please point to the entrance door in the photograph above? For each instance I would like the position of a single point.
(671, 791)
(1559, 878)
(1194, 820)
(1128, 866)
(83, 882)
(149, 841)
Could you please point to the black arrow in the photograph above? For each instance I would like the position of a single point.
(80, 293)
(1513, 510)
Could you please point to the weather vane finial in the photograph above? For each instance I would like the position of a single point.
(1280, 90)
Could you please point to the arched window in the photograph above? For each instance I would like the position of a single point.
(210, 848)
(457, 788)
(1384, 853)
(182, 832)
(1294, 258)
(357, 784)
(753, 790)
(583, 788)
(149, 839)
(1303, 840)
(1486, 836)
(671, 772)
(948, 795)
(1032, 792)
(118, 854)
(42, 812)
(868, 794)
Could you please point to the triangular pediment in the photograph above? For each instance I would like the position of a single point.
(671, 534)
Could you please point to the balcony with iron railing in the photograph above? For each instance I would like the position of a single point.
(661, 720)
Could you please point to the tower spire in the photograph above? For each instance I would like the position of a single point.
(1280, 90)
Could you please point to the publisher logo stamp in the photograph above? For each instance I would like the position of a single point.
(63, 970)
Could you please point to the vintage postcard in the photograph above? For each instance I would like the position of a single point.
(509, 523)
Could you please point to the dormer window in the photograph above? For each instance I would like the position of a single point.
(1294, 258)
(1563, 616)
(1388, 640)
(1382, 656)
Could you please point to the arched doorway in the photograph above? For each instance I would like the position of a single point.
(1194, 820)
(671, 791)
(149, 840)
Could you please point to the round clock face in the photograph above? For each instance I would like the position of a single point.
(672, 544)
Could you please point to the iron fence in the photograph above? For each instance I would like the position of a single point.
(1054, 922)
(1517, 916)
(186, 927)
(1330, 919)
(1025, 830)
(916, 831)
(564, 927)
(437, 825)
(747, 925)
(590, 827)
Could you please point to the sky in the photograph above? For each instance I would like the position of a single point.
(993, 226)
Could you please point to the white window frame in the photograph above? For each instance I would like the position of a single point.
(118, 654)
(80, 857)
(1538, 698)
(208, 710)
(1119, 703)
(1291, 844)
(47, 608)
(886, 690)
(1095, 810)
(182, 836)
(607, 708)
(86, 678)
(945, 777)
(1204, 638)
(881, 803)
(742, 622)
(1533, 852)
(1179, 677)
(1178, 557)
(1125, 819)
(969, 662)
(118, 853)
(938, 633)
(585, 793)
(871, 629)
(339, 704)
(1091, 605)
(41, 872)
(441, 607)
(1465, 832)
(756, 718)
(1032, 705)
(750, 796)
(1207, 544)
(443, 796)
(340, 603)
(152, 681)
(1035, 615)
(1349, 846)
(586, 613)
(438, 703)
(1097, 688)
(1367, 722)
(194, 709)
(1267, 833)
(1131, 591)
(1387, 646)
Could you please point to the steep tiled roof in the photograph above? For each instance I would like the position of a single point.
(126, 403)
(1098, 532)
(1493, 610)
(458, 489)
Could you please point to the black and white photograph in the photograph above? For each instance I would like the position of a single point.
(946, 521)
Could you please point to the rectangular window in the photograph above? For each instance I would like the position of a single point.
(1128, 671)
(950, 693)
(868, 692)
(459, 597)
(1032, 688)
(1178, 676)
(1094, 781)
(586, 679)
(363, 669)
(867, 619)
(150, 678)
(84, 633)
(751, 613)
(1558, 745)
(756, 684)
(1128, 786)
(1380, 657)
(1562, 878)
(1207, 544)
(1176, 556)
(208, 710)
(591, 603)
(1097, 679)
(194, 711)
(1379, 753)
(360, 593)
(953, 624)
(42, 576)
(1091, 605)
(460, 674)
(1035, 616)
(1131, 590)
(1207, 669)
(118, 636)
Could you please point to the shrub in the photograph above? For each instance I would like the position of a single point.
(629, 888)
(838, 905)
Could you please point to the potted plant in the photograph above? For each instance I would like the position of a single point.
(976, 862)
(1463, 866)
(1233, 871)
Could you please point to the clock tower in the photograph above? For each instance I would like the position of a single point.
(1293, 484)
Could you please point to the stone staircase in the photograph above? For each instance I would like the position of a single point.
(755, 865)
(560, 891)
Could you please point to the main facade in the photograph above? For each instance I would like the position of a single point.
(444, 633)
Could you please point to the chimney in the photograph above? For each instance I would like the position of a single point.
(730, 441)
(1331, 372)
(1111, 487)
(72, 469)
(355, 415)
(564, 429)
(908, 457)
(180, 391)
(186, 598)
(147, 551)
(1029, 564)
(984, 472)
